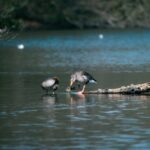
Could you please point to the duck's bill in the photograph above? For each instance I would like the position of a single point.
(68, 89)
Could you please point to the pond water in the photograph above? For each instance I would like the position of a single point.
(29, 119)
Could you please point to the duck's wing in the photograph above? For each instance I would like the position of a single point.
(85, 78)
(89, 77)
(48, 83)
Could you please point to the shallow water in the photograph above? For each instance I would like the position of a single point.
(31, 120)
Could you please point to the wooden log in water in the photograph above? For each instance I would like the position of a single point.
(140, 89)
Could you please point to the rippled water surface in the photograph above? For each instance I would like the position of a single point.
(29, 119)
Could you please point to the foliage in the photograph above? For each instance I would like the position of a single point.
(35, 14)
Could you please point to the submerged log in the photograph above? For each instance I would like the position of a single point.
(140, 89)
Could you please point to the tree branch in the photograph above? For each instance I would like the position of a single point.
(140, 89)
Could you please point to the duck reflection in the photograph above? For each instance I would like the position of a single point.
(49, 100)
(77, 99)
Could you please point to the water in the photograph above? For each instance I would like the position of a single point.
(31, 120)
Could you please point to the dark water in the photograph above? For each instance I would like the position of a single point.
(31, 120)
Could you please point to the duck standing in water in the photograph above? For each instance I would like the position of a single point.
(81, 77)
(50, 84)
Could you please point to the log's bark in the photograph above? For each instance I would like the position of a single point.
(141, 89)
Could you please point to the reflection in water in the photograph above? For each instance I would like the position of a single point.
(121, 97)
(49, 100)
(77, 99)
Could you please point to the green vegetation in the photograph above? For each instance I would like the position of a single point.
(50, 14)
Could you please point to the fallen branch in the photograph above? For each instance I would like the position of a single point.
(140, 89)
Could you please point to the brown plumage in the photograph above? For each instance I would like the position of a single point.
(81, 77)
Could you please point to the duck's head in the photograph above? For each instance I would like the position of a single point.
(56, 79)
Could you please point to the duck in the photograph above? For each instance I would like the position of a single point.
(81, 77)
(50, 84)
